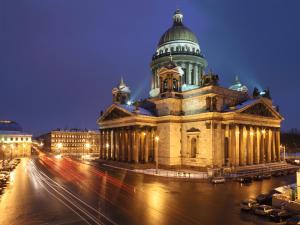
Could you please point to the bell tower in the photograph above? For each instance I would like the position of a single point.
(170, 79)
(121, 93)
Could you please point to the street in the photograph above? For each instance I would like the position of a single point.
(48, 190)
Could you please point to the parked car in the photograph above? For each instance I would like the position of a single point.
(245, 180)
(218, 180)
(249, 204)
(263, 210)
(294, 220)
(279, 215)
(267, 176)
(258, 177)
(264, 199)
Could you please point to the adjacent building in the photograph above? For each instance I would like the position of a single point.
(189, 119)
(76, 142)
(13, 141)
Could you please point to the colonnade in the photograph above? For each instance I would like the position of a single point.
(192, 74)
(129, 144)
(250, 145)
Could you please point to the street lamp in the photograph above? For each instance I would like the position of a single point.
(59, 146)
(156, 153)
(86, 146)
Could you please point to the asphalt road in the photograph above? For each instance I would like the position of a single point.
(46, 190)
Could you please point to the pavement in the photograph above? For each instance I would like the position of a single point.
(183, 174)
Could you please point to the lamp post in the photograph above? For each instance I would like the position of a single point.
(156, 154)
(86, 146)
(59, 146)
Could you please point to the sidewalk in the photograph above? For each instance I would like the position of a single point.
(186, 174)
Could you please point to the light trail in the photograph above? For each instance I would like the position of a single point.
(75, 204)
(71, 170)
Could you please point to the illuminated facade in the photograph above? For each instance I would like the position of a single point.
(74, 142)
(14, 142)
(203, 126)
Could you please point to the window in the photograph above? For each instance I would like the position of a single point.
(193, 147)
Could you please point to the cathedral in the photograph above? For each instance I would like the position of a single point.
(188, 118)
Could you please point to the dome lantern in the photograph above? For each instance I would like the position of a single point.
(178, 17)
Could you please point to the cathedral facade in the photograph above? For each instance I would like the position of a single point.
(188, 119)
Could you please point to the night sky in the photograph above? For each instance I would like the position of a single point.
(59, 59)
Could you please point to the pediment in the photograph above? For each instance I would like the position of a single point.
(193, 129)
(114, 113)
(261, 109)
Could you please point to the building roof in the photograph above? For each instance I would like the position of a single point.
(132, 109)
(178, 32)
(11, 126)
(238, 86)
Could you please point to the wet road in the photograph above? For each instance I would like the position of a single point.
(47, 190)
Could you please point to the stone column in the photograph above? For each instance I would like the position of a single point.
(277, 133)
(156, 149)
(117, 146)
(243, 146)
(269, 145)
(101, 145)
(129, 145)
(142, 147)
(109, 145)
(113, 149)
(122, 145)
(189, 69)
(105, 144)
(257, 148)
(146, 146)
(153, 79)
(196, 74)
(274, 157)
(135, 139)
(151, 140)
(250, 146)
(262, 146)
(232, 145)
(125, 145)
(237, 145)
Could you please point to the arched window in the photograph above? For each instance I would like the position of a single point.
(175, 85)
(161, 52)
(165, 87)
(197, 51)
(193, 76)
(193, 147)
(177, 48)
(172, 49)
(166, 50)
(182, 48)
